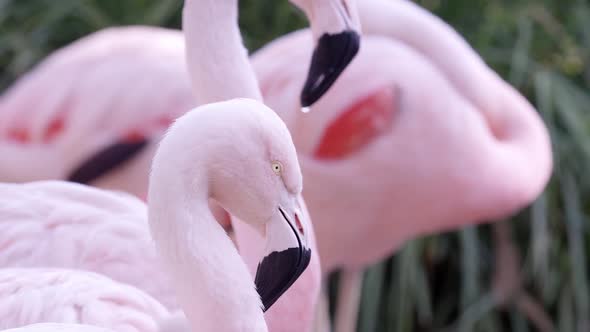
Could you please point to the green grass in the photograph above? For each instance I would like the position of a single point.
(446, 282)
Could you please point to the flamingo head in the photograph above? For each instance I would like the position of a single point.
(267, 187)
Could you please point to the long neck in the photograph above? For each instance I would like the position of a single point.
(212, 283)
(217, 60)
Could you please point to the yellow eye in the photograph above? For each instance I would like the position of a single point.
(277, 167)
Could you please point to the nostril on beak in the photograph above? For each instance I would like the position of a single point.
(298, 223)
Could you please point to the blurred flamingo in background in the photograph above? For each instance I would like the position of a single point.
(50, 130)
(72, 133)
(429, 140)
(413, 139)
(77, 106)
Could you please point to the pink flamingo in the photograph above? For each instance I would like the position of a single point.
(212, 281)
(206, 256)
(271, 294)
(192, 243)
(431, 140)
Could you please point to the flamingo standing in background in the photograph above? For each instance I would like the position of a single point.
(71, 134)
(432, 140)
(45, 125)
(496, 155)
(391, 160)
(50, 126)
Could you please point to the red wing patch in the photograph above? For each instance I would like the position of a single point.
(22, 135)
(362, 123)
(55, 128)
(19, 135)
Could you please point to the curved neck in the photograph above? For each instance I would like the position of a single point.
(211, 281)
(509, 116)
(454, 57)
(217, 60)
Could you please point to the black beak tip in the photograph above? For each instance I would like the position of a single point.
(278, 271)
(332, 55)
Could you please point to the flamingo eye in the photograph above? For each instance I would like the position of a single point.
(277, 167)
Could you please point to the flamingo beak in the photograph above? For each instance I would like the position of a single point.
(332, 54)
(336, 28)
(286, 256)
(105, 160)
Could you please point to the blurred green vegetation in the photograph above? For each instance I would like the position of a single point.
(459, 281)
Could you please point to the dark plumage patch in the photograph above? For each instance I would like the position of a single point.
(106, 160)
(331, 56)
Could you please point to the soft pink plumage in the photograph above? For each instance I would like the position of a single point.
(31, 296)
(66, 225)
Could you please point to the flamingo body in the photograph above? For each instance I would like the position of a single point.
(403, 154)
